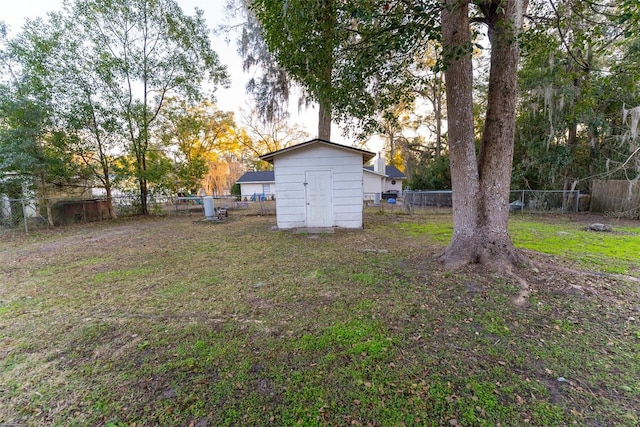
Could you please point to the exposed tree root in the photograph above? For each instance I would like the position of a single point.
(522, 296)
(495, 253)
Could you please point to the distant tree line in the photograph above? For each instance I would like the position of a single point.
(119, 94)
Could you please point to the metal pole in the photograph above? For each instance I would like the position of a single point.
(24, 216)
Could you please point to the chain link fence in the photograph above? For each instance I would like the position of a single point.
(532, 201)
(551, 201)
(39, 213)
(30, 214)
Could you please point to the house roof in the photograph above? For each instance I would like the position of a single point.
(366, 155)
(390, 171)
(259, 176)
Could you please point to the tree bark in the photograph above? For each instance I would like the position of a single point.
(144, 192)
(496, 154)
(437, 104)
(47, 202)
(327, 27)
(481, 190)
(456, 38)
(107, 187)
(324, 122)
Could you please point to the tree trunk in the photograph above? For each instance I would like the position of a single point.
(324, 123)
(144, 208)
(496, 154)
(456, 38)
(437, 104)
(481, 190)
(327, 27)
(47, 202)
(109, 191)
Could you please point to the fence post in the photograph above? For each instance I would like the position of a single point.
(578, 201)
(24, 216)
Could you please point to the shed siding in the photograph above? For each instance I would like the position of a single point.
(346, 176)
(346, 195)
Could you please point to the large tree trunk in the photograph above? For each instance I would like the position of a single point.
(324, 122)
(481, 190)
(456, 38)
(496, 154)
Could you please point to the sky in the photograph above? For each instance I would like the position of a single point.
(14, 13)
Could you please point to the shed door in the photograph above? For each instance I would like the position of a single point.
(318, 195)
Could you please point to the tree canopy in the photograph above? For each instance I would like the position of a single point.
(351, 57)
(578, 74)
(102, 70)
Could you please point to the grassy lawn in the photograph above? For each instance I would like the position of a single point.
(171, 321)
(563, 237)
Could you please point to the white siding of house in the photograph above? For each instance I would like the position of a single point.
(373, 183)
(393, 187)
(248, 189)
(346, 175)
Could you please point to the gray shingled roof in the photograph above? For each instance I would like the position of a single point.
(390, 170)
(259, 176)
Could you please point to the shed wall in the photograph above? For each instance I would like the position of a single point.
(346, 176)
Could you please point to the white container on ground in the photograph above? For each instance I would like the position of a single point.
(209, 211)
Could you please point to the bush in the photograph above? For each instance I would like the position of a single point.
(431, 175)
(235, 190)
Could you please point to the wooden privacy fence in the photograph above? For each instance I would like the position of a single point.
(616, 197)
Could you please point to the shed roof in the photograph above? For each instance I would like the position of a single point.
(259, 176)
(366, 155)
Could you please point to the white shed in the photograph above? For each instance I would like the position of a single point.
(319, 184)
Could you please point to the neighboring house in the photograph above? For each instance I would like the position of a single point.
(257, 184)
(382, 179)
(319, 184)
